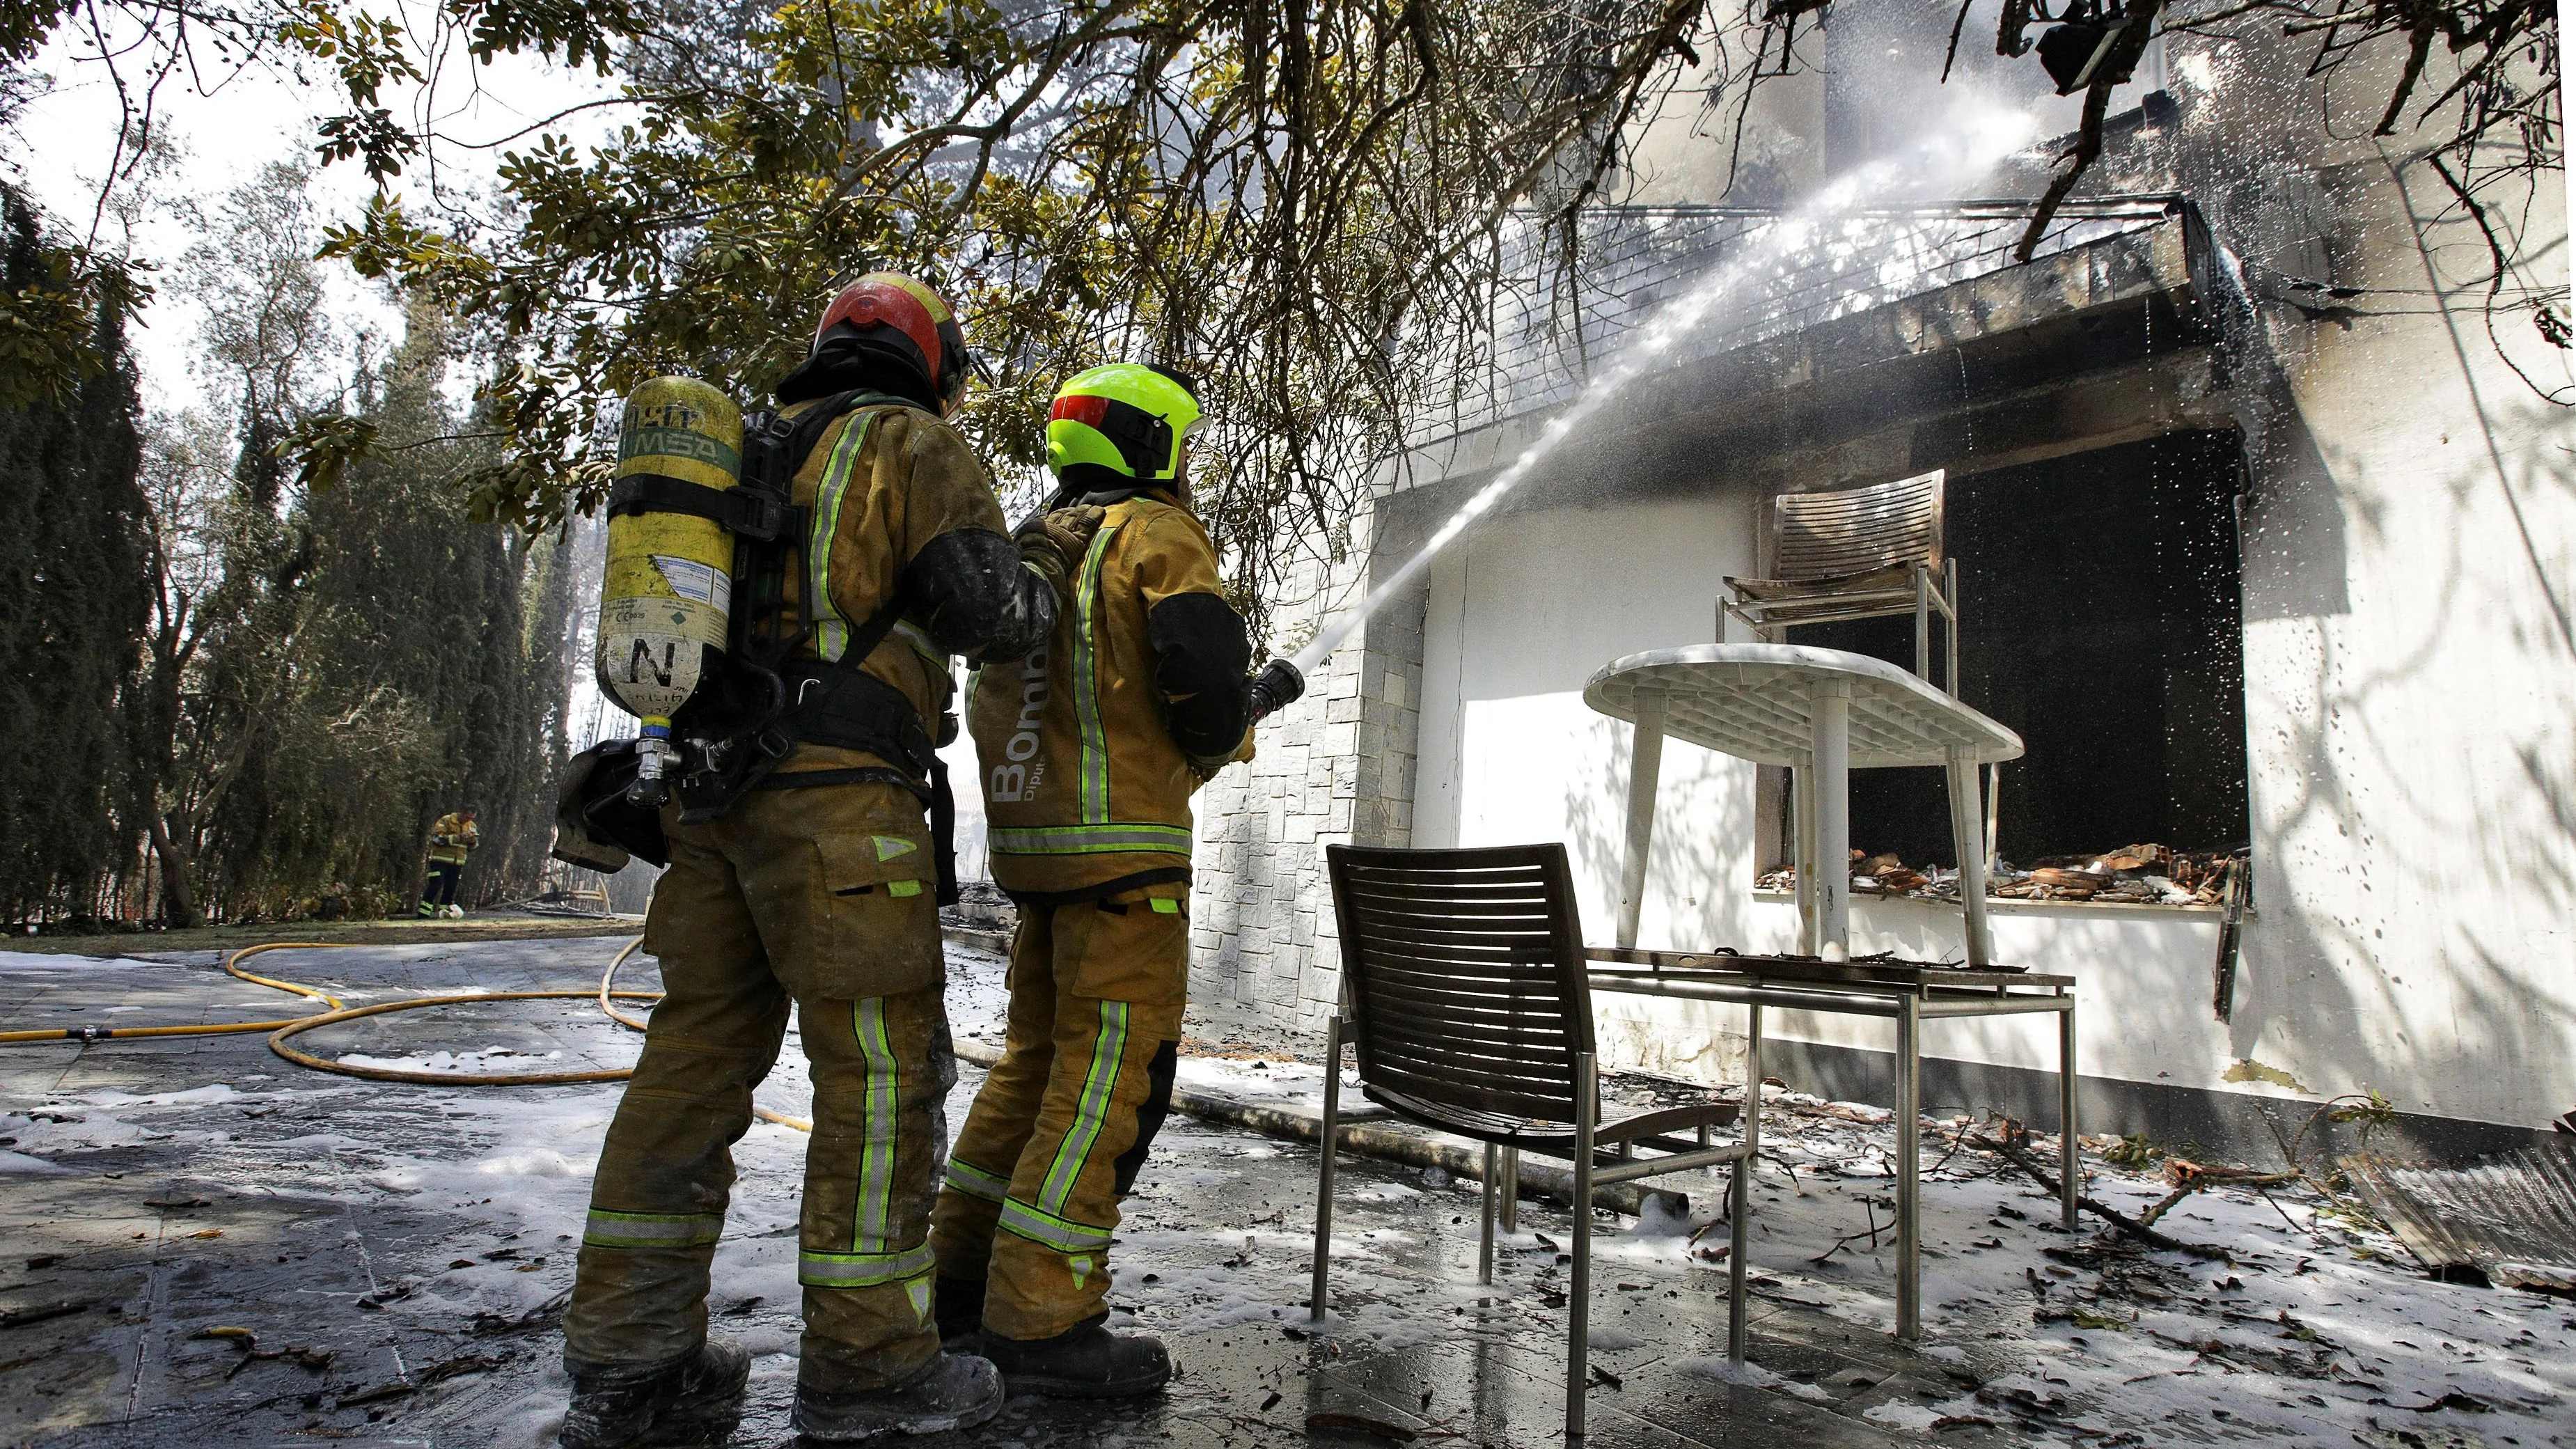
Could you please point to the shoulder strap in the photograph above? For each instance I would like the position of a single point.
(788, 442)
(775, 447)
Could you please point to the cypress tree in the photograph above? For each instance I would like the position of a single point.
(427, 677)
(74, 598)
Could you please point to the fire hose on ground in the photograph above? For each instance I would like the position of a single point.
(283, 1031)
(1364, 1139)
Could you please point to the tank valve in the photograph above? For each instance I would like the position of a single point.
(651, 789)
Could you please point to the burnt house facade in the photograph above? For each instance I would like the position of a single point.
(2265, 541)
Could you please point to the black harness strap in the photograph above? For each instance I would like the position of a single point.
(809, 779)
(750, 513)
(789, 441)
(1050, 900)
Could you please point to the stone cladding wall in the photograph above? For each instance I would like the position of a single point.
(1335, 767)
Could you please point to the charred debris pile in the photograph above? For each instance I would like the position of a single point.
(2131, 875)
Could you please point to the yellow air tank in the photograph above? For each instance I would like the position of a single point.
(668, 586)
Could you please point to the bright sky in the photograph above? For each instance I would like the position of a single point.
(66, 141)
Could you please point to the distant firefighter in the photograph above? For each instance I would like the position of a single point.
(451, 840)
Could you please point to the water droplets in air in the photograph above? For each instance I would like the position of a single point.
(1958, 147)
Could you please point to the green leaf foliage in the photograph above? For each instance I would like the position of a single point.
(1302, 207)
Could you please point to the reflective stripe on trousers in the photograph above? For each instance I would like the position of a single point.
(651, 1230)
(861, 1270)
(974, 1181)
(1107, 1049)
(882, 1104)
(1040, 1226)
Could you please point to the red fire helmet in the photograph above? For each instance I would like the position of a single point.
(909, 310)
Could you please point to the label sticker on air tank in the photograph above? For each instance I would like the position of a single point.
(690, 579)
(650, 673)
(662, 614)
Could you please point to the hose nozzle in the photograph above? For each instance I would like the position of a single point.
(1277, 686)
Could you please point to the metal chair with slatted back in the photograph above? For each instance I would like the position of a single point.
(1463, 973)
(1857, 553)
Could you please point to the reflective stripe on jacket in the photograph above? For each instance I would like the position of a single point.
(1086, 746)
(890, 493)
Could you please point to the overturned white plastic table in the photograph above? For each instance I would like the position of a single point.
(1823, 713)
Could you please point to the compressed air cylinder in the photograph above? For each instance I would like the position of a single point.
(669, 581)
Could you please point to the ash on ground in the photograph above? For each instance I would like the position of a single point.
(203, 1243)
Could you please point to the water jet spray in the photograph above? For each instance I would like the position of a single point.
(1976, 135)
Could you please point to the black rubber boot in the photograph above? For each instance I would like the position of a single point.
(694, 1402)
(959, 1312)
(954, 1392)
(1086, 1361)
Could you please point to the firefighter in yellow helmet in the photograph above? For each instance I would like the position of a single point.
(813, 884)
(1089, 751)
(450, 840)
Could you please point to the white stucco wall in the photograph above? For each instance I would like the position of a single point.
(2411, 683)
(1520, 614)
(2414, 773)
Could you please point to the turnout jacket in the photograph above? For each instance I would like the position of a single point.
(901, 509)
(452, 838)
(1090, 748)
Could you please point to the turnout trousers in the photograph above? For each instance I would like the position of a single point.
(1061, 1127)
(441, 887)
(823, 898)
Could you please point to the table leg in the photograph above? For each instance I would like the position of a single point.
(1511, 1204)
(1578, 1367)
(2069, 1160)
(1802, 795)
(1832, 754)
(1923, 625)
(1739, 1192)
(1967, 837)
(1950, 586)
(1909, 1157)
(1645, 764)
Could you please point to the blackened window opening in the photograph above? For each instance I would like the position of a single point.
(2101, 622)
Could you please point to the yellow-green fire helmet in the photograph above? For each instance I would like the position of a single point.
(1126, 419)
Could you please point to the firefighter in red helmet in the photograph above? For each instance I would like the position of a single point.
(816, 886)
